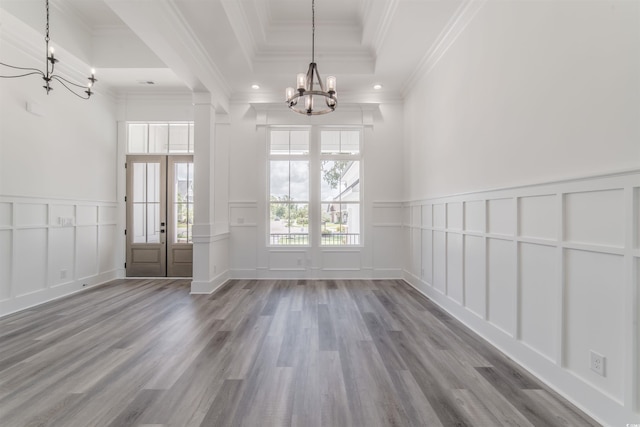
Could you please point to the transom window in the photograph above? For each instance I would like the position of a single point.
(314, 186)
(160, 138)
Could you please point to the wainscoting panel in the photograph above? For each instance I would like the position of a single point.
(501, 275)
(107, 250)
(5, 264)
(427, 256)
(474, 216)
(6, 214)
(439, 216)
(594, 286)
(500, 217)
(548, 273)
(87, 244)
(30, 260)
(440, 261)
(455, 268)
(454, 216)
(475, 275)
(86, 214)
(537, 217)
(30, 214)
(595, 217)
(53, 247)
(385, 238)
(341, 260)
(539, 284)
(62, 259)
(416, 250)
(427, 216)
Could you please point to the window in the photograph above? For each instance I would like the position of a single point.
(159, 138)
(325, 209)
(340, 186)
(289, 187)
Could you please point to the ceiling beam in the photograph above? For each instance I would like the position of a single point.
(162, 27)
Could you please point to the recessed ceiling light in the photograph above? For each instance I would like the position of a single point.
(255, 86)
(377, 86)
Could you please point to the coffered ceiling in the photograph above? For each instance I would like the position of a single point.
(225, 46)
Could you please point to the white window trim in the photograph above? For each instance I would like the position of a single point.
(315, 158)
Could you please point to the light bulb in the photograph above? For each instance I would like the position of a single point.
(289, 93)
(308, 103)
(93, 71)
(331, 83)
(302, 81)
(52, 50)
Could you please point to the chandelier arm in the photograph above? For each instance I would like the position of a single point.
(22, 68)
(70, 89)
(61, 79)
(38, 72)
(315, 68)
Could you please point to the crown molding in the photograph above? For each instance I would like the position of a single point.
(447, 37)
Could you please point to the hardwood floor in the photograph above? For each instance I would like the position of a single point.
(260, 353)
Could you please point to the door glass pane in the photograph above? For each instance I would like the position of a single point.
(139, 182)
(146, 202)
(153, 222)
(153, 182)
(158, 138)
(138, 226)
(183, 203)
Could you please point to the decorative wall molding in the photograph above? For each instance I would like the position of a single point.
(54, 247)
(546, 272)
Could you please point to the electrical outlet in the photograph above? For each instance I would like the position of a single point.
(597, 363)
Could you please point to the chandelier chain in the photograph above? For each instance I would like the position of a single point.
(46, 38)
(313, 30)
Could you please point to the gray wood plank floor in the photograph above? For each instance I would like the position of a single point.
(260, 353)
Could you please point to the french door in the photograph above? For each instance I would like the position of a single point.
(159, 216)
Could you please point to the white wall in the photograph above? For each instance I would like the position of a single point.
(57, 189)
(382, 196)
(529, 94)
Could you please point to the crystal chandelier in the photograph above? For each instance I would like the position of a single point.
(306, 100)
(81, 91)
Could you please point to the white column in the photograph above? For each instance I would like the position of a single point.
(210, 241)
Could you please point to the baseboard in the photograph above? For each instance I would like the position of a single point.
(33, 299)
(210, 286)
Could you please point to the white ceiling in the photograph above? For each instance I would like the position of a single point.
(225, 46)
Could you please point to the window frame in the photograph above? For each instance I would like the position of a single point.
(315, 157)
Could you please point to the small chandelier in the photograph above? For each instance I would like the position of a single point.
(302, 101)
(48, 75)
